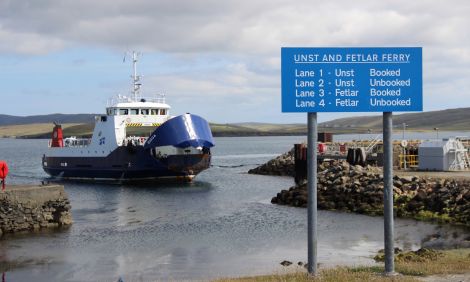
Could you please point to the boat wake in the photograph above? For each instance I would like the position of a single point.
(244, 156)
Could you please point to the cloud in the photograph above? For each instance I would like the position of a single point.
(28, 43)
(247, 35)
(236, 26)
(233, 91)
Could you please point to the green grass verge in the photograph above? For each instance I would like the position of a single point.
(410, 268)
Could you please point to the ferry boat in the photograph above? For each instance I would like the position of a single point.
(177, 148)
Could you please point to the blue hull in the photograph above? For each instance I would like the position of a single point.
(123, 164)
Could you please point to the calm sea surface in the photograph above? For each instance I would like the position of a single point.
(221, 225)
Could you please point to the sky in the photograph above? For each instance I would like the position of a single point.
(219, 59)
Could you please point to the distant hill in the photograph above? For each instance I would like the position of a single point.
(269, 126)
(273, 128)
(40, 126)
(43, 130)
(60, 118)
(451, 119)
(82, 124)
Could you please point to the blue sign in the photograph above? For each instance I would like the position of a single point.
(352, 79)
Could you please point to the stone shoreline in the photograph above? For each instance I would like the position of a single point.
(360, 189)
(33, 207)
(282, 165)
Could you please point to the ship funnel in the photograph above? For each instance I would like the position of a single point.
(57, 136)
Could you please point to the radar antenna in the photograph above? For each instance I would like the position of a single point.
(135, 78)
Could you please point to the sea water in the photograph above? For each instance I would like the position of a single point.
(221, 225)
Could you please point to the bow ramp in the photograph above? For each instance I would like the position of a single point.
(182, 131)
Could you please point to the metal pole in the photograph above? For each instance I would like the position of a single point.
(388, 194)
(312, 136)
(404, 148)
(404, 157)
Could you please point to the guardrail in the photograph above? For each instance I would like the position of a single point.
(158, 98)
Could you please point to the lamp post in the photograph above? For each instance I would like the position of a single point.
(437, 132)
(404, 129)
(404, 147)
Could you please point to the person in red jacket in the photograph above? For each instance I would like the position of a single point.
(3, 173)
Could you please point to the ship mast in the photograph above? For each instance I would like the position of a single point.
(135, 77)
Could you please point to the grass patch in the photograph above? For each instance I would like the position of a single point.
(338, 274)
(450, 262)
(30, 129)
(410, 265)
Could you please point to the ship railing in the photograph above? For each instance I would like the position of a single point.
(77, 142)
(373, 143)
(135, 141)
(74, 142)
(158, 98)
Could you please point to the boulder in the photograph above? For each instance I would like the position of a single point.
(360, 189)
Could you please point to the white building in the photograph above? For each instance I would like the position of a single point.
(443, 155)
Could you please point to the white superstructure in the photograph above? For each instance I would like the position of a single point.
(122, 112)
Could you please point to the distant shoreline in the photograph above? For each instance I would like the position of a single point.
(46, 135)
(81, 125)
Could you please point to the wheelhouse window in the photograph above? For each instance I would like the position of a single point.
(144, 111)
(162, 112)
(123, 112)
(134, 111)
(154, 112)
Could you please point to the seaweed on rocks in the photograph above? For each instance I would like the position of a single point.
(359, 189)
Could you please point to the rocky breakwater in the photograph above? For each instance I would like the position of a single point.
(282, 165)
(360, 189)
(33, 207)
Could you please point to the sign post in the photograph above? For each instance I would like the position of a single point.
(351, 80)
(312, 191)
(388, 194)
